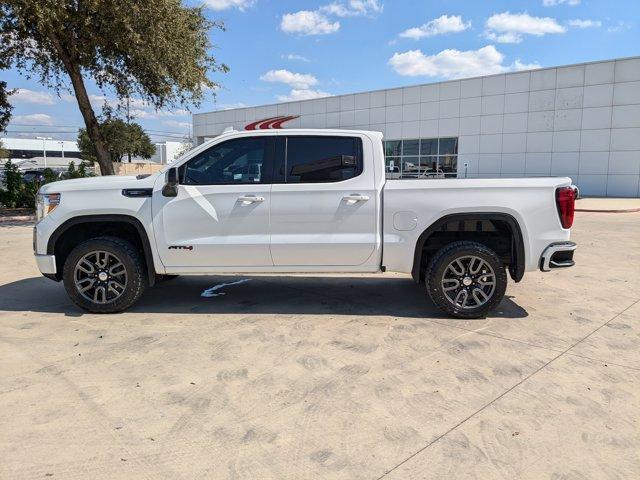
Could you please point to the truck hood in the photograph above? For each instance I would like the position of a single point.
(100, 183)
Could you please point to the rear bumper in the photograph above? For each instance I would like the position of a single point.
(558, 255)
(46, 264)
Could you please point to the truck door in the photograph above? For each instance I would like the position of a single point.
(220, 217)
(323, 202)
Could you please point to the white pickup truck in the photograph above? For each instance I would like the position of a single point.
(281, 201)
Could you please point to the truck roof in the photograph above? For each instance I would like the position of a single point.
(299, 131)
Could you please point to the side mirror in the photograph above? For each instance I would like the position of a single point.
(170, 188)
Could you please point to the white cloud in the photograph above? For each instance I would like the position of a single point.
(509, 27)
(518, 65)
(177, 124)
(296, 57)
(353, 8)
(229, 106)
(306, 22)
(24, 95)
(553, 3)
(453, 63)
(226, 4)
(319, 22)
(579, 23)
(33, 119)
(439, 26)
(302, 94)
(619, 27)
(300, 81)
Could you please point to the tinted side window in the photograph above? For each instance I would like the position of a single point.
(239, 161)
(322, 159)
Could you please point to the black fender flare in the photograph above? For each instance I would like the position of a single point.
(516, 269)
(144, 238)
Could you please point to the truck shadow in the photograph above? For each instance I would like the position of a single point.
(276, 294)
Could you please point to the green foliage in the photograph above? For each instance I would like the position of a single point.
(157, 50)
(121, 138)
(20, 194)
(10, 196)
(73, 172)
(5, 109)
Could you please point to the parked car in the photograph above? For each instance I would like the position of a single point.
(31, 176)
(300, 201)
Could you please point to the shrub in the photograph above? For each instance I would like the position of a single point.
(19, 194)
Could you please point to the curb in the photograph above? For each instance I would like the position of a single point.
(19, 218)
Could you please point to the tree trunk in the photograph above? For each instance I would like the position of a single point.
(90, 120)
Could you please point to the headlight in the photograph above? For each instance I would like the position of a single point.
(46, 203)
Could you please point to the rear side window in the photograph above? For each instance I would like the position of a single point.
(321, 159)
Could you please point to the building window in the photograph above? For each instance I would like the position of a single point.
(421, 158)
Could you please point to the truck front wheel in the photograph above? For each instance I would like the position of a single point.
(466, 279)
(104, 275)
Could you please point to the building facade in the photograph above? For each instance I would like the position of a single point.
(581, 121)
(33, 151)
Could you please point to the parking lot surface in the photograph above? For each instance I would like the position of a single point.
(341, 377)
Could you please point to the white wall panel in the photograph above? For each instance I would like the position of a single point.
(449, 90)
(566, 141)
(598, 95)
(515, 122)
(471, 87)
(597, 117)
(470, 125)
(597, 73)
(570, 76)
(624, 163)
(517, 82)
(595, 140)
(567, 119)
(513, 163)
(543, 79)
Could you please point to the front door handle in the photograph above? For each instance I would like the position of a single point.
(354, 198)
(248, 199)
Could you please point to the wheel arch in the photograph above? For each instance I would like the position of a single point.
(94, 222)
(517, 248)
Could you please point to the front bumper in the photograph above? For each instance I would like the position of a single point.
(558, 255)
(46, 264)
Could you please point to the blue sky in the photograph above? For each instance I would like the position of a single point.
(286, 49)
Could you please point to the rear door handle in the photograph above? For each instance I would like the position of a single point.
(247, 199)
(354, 198)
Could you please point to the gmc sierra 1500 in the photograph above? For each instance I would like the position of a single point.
(299, 201)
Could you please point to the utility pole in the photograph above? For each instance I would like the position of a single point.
(128, 124)
(44, 148)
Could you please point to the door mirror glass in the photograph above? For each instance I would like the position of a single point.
(170, 188)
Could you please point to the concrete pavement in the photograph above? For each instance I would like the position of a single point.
(342, 377)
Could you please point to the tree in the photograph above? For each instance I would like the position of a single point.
(121, 139)
(5, 107)
(154, 49)
(4, 153)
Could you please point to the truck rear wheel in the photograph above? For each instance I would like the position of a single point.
(104, 275)
(466, 279)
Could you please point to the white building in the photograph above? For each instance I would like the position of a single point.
(59, 153)
(581, 121)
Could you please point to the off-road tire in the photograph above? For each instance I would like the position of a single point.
(438, 265)
(133, 263)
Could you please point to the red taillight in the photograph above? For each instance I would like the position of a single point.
(566, 201)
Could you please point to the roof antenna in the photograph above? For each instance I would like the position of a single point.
(229, 130)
